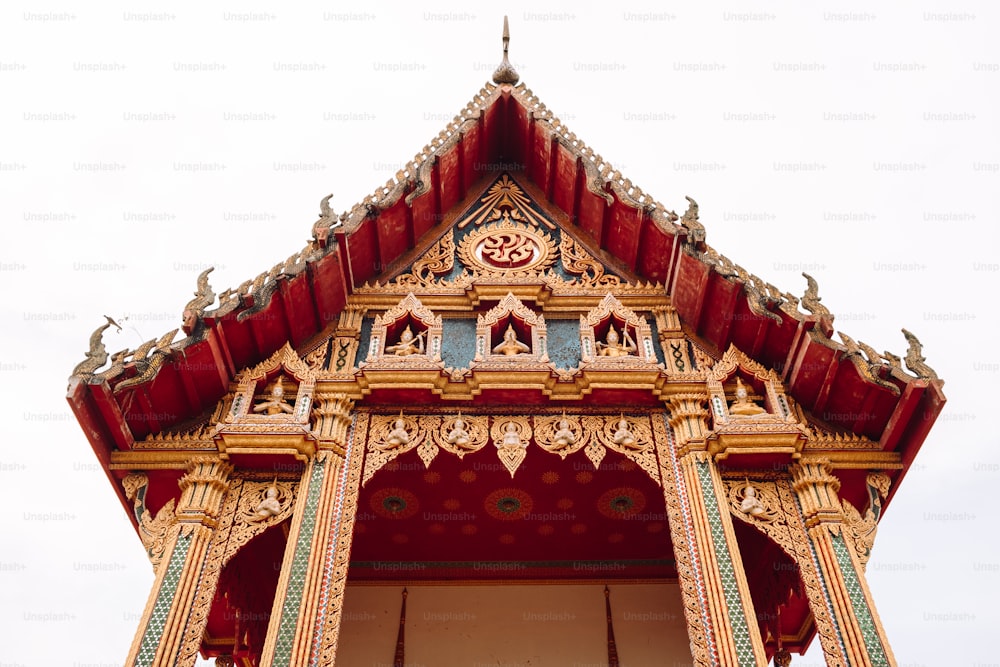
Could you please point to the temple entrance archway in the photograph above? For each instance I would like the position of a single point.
(487, 556)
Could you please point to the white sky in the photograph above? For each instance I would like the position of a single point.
(857, 143)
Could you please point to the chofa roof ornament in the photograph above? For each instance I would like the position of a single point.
(505, 73)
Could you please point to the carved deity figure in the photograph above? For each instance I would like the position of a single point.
(751, 503)
(398, 435)
(510, 345)
(408, 343)
(564, 436)
(624, 436)
(743, 406)
(511, 436)
(613, 347)
(269, 506)
(276, 404)
(458, 436)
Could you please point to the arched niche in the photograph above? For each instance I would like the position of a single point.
(407, 330)
(612, 332)
(495, 327)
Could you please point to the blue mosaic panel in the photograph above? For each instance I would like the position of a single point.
(737, 616)
(458, 342)
(300, 562)
(873, 644)
(164, 599)
(564, 342)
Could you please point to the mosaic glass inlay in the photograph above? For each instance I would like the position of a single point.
(737, 615)
(876, 652)
(300, 562)
(164, 599)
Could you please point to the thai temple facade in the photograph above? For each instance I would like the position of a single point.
(508, 410)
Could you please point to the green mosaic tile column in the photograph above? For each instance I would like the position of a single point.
(164, 601)
(727, 570)
(869, 629)
(291, 604)
(730, 587)
(860, 631)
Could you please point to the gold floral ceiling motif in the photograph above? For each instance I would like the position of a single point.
(505, 200)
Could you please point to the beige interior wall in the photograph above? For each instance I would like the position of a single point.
(514, 626)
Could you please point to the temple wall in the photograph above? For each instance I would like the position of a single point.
(514, 626)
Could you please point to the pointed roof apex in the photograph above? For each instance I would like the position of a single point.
(505, 73)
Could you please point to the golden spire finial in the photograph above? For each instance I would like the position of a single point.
(505, 73)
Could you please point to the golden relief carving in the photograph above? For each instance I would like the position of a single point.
(391, 436)
(251, 519)
(437, 261)
(507, 250)
(561, 435)
(590, 272)
(152, 530)
(822, 439)
(336, 573)
(428, 448)
(508, 243)
(505, 200)
(862, 529)
(594, 449)
(463, 435)
(631, 436)
(682, 538)
(754, 500)
(511, 436)
(286, 358)
(199, 438)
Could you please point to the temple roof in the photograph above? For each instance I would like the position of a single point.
(166, 383)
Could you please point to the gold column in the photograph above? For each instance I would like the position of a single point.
(307, 603)
(701, 526)
(861, 630)
(203, 489)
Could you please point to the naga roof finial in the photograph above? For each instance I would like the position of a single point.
(915, 360)
(505, 73)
